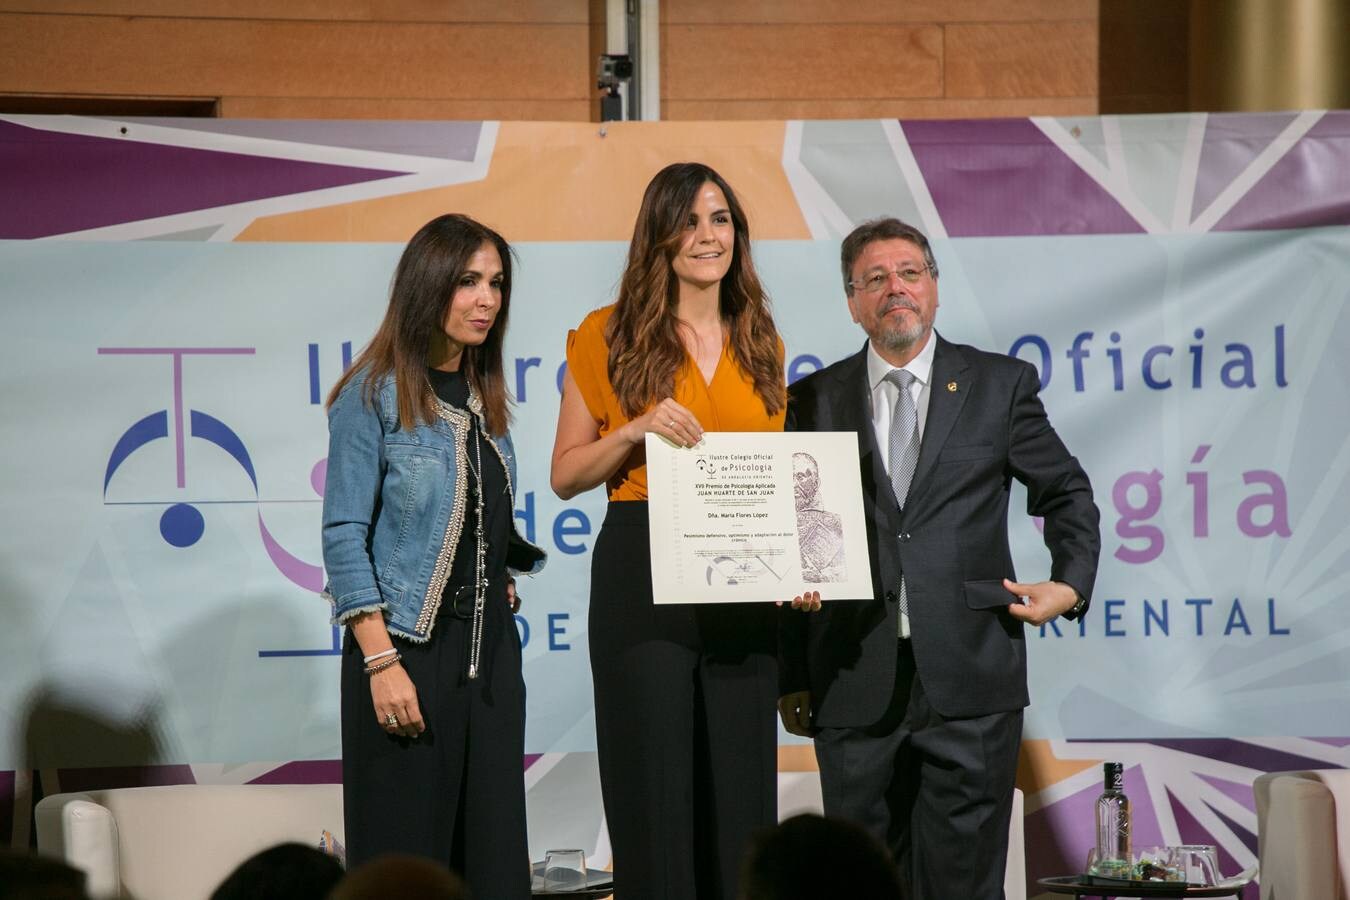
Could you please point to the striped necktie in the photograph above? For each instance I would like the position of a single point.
(903, 448)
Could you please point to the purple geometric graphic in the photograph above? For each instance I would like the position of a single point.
(1247, 836)
(436, 140)
(1003, 177)
(1238, 793)
(310, 771)
(55, 183)
(1192, 832)
(1237, 752)
(106, 777)
(1309, 187)
(318, 476)
(296, 570)
(1189, 828)
(1232, 141)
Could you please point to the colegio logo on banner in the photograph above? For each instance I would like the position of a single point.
(182, 523)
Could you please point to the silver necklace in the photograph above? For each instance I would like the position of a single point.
(480, 554)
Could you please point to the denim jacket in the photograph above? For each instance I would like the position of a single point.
(393, 508)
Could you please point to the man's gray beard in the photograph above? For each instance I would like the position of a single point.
(894, 339)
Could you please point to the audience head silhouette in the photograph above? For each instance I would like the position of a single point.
(398, 875)
(28, 876)
(808, 856)
(288, 871)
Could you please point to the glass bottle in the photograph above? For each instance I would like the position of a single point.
(1114, 858)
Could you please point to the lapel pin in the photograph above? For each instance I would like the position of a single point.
(951, 387)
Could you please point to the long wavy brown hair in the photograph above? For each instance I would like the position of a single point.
(645, 350)
(424, 284)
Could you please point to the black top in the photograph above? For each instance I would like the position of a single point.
(453, 388)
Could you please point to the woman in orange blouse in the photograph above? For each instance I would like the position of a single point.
(684, 695)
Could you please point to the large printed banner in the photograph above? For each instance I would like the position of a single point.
(177, 297)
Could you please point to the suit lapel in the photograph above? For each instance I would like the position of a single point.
(856, 415)
(855, 410)
(947, 391)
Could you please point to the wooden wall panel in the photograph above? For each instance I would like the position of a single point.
(877, 11)
(923, 108)
(403, 108)
(822, 59)
(92, 54)
(1022, 60)
(731, 62)
(572, 12)
(535, 59)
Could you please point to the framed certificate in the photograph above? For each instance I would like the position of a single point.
(757, 516)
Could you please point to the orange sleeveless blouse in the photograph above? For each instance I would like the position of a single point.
(727, 403)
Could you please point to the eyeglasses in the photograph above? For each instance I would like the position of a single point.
(877, 281)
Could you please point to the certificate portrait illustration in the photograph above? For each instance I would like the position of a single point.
(756, 516)
(820, 533)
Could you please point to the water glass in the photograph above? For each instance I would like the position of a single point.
(1159, 864)
(564, 870)
(1107, 868)
(1198, 863)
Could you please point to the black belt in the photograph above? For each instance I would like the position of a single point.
(457, 599)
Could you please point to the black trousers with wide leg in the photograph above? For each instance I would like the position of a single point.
(456, 794)
(685, 724)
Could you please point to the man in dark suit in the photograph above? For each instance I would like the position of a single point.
(914, 696)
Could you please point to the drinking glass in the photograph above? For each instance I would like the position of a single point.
(1109, 868)
(1159, 864)
(1198, 863)
(564, 870)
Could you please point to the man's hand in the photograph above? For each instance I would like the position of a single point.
(1043, 600)
(795, 711)
(806, 601)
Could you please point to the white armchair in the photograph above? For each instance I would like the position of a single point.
(179, 842)
(1303, 834)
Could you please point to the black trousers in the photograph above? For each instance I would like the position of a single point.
(685, 724)
(456, 794)
(936, 792)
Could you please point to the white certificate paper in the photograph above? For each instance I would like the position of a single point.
(757, 516)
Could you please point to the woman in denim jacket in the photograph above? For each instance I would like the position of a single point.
(418, 539)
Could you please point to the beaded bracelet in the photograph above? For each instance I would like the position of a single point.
(381, 666)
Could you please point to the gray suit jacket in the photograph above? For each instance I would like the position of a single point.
(985, 427)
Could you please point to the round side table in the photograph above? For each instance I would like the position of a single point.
(599, 884)
(1075, 886)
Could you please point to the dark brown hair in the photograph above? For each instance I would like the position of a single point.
(881, 230)
(802, 857)
(645, 350)
(424, 285)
